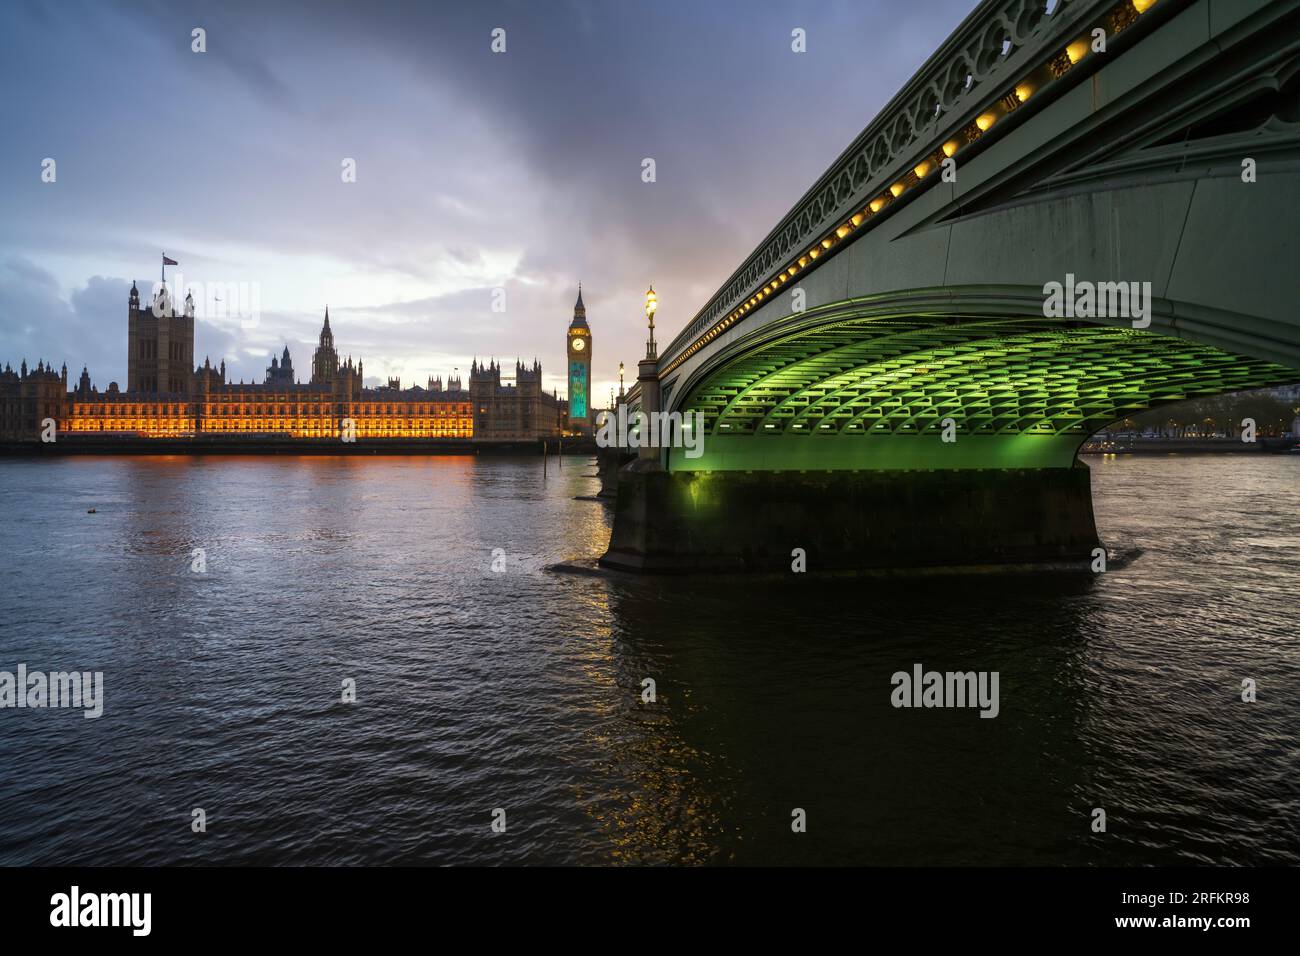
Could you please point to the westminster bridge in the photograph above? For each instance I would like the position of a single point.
(1073, 212)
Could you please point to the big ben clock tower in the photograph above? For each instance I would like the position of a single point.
(579, 348)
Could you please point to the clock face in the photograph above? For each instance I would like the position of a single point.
(579, 345)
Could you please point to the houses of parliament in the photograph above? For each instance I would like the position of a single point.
(168, 396)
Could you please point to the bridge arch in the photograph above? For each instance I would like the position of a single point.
(879, 382)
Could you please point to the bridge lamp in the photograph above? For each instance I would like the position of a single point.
(950, 147)
(876, 204)
(651, 306)
(1077, 50)
(922, 170)
(1142, 6)
(1024, 91)
(897, 189)
(985, 121)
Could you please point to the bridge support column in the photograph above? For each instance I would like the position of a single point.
(868, 521)
(611, 457)
(608, 462)
(648, 380)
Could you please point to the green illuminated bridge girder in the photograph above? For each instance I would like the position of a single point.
(924, 299)
(875, 393)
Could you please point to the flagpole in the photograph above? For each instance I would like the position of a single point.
(164, 269)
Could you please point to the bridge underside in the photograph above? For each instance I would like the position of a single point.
(881, 394)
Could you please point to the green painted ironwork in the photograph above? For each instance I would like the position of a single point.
(874, 393)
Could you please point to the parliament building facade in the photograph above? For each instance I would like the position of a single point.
(168, 396)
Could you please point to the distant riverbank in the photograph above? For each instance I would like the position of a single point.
(270, 445)
(1197, 446)
(118, 445)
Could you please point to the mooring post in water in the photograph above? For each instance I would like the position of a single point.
(543, 458)
(559, 454)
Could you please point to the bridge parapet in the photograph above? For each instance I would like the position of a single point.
(1004, 54)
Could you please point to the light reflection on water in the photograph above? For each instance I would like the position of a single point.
(522, 690)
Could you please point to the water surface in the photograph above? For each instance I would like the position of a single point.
(521, 690)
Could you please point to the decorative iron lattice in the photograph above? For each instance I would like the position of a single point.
(872, 376)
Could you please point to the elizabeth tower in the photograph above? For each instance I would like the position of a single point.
(579, 348)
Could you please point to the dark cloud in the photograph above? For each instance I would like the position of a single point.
(36, 322)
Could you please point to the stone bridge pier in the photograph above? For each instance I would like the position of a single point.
(609, 460)
(846, 522)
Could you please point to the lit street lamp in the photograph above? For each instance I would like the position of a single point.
(651, 306)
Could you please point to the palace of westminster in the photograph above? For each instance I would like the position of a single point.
(168, 396)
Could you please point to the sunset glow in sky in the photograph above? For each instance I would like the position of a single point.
(475, 170)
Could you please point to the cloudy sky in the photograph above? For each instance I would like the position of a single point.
(475, 170)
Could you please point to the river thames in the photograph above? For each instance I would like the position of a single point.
(521, 689)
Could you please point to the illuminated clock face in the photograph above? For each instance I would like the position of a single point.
(579, 345)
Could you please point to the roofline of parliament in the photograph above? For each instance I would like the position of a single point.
(168, 395)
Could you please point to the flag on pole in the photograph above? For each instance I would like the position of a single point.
(169, 262)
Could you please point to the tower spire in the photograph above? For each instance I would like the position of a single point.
(579, 312)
